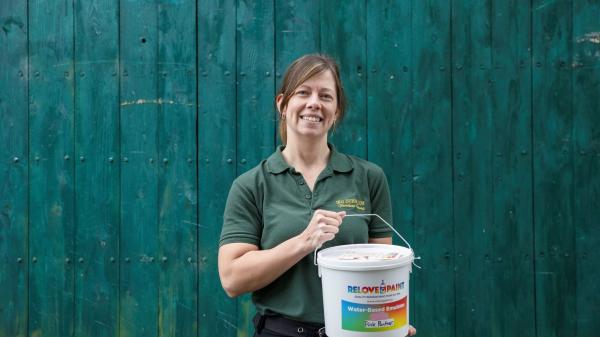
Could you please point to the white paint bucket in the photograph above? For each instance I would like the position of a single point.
(365, 289)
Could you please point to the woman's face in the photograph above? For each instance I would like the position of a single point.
(312, 107)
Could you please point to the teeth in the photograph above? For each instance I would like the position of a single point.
(311, 118)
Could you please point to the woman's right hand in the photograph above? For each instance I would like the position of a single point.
(323, 227)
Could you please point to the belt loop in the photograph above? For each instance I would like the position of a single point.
(259, 322)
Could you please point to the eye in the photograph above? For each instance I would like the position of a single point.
(302, 92)
(327, 97)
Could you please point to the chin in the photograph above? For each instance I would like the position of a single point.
(316, 135)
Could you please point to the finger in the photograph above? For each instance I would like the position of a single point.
(324, 237)
(320, 238)
(326, 228)
(327, 215)
(330, 221)
(322, 218)
(330, 214)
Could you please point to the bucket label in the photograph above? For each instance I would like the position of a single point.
(374, 317)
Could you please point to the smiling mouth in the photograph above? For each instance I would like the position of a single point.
(311, 118)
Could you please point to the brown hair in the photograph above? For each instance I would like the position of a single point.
(299, 72)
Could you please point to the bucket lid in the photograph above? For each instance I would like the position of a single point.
(365, 257)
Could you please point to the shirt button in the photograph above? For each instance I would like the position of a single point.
(308, 196)
(301, 182)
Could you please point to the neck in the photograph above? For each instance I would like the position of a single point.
(303, 154)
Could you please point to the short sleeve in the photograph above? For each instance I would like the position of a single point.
(241, 219)
(380, 203)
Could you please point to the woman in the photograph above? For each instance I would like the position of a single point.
(294, 202)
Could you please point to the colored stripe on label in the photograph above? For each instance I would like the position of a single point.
(374, 317)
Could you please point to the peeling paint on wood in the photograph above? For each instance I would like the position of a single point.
(592, 37)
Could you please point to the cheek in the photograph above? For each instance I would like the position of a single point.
(332, 111)
(292, 107)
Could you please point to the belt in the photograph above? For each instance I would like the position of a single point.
(286, 326)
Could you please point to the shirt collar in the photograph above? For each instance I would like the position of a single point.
(275, 163)
(337, 161)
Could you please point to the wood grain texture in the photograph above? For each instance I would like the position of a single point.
(51, 180)
(217, 102)
(139, 208)
(472, 116)
(177, 184)
(511, 254)
(14, 170)
(552, 30)
(96, 154)
(586, 158)
(434, 307)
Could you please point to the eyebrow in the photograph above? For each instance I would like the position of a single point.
(322, 89)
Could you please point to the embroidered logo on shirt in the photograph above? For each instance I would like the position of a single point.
(351, 203)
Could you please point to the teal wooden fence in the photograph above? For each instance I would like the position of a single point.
(123, 124)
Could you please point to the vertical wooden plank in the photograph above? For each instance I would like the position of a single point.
(389, 114)
(14, 169)
(553, 168)
(586, 137)
(177, 192)
(51, 180)
(216, 159)
(472, 146)
(510, 258)
(255, 108)
(96, 168)
(255, 63)
(139, 181)
(297, 32)
(432, 172)
(343, 36)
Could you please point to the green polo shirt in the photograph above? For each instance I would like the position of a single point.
(272, 203)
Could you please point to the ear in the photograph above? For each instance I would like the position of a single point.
(278, 100)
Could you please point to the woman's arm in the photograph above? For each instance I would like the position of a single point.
(244, 267)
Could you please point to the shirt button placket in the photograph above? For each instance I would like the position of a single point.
(307, 193)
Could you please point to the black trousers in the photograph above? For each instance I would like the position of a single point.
(279, 326)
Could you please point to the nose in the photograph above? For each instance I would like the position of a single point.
(313, 102)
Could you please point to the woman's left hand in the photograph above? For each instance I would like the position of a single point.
(411, 330)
